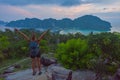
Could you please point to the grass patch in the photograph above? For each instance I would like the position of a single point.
(2, 79)
(23, 64)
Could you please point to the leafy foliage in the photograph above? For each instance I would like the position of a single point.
(74, 54)
(4, 43)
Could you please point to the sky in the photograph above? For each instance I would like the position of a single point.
(108, 10)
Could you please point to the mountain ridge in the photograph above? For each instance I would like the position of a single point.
(86, 22)
(3, 23)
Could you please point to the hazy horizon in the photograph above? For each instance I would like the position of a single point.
(113, 29)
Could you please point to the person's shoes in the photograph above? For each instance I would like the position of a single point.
(34, 73)
(40, 73)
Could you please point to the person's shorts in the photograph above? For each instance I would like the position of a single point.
(34, 55)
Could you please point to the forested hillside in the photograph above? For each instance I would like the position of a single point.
(87, 22)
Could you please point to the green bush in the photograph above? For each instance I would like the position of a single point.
(74, 54)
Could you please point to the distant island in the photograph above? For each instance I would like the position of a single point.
(87, 22)
(3, 23)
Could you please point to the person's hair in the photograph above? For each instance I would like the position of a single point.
(33, 37)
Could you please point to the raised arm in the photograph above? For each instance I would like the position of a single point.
(25, 36)
(43, 34)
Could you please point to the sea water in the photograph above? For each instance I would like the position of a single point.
(85, 32)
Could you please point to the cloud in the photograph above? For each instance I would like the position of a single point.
(39, 2)
(71, 2)
(55, 2)
(100, 1)
(54, 11)
(8, 12)
(106, 12)
(55, 8)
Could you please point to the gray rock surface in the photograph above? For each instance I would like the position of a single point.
(27, 74)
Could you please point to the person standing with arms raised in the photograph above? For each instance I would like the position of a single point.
(34, 49)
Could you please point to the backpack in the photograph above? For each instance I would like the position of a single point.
(34, 48)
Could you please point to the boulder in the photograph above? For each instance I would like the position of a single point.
(9, 70)
(46, 61)
(59, 73)
(17, 66)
